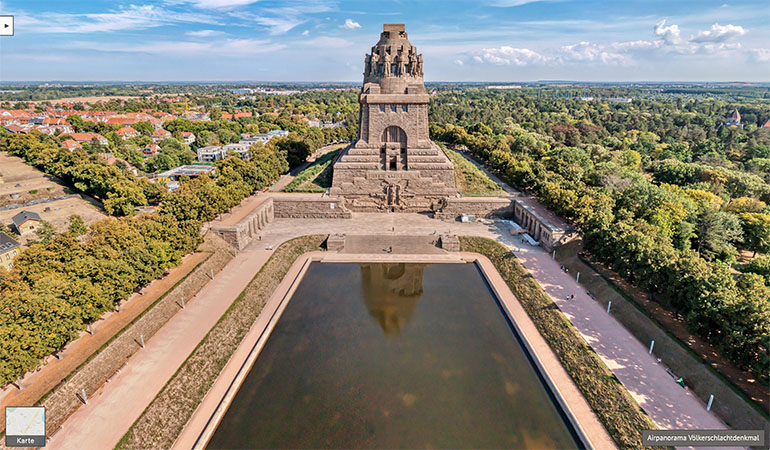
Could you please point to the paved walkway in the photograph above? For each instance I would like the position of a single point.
(113, 409)
(669, 405)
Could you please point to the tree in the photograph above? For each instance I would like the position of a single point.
(745, 205)
(756, 232)
(46, 231)
(77, 226)
(716, 231)
(146, 128)
(760, 266)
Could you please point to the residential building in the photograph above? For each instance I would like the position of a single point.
(160, 134)
(240, 148)
(88, 137)
(197, 116)
(127, 133)
(9, 249)
(150, 150)
(15, 129)
(26, 222)
(211, 153)
(171, 177)
(734, 120)
(188, 137)
(278, 133)
(70, 144)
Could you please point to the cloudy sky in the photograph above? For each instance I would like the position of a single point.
(325, 40)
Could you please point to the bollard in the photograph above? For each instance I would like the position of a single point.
(711, 400)
(212, 274)
(141, 340)
(83, 394)
(18, 384)
(90, 329)
(608, 306)
(183, 302)
(577, 278)
(553, 255)
(652, 344)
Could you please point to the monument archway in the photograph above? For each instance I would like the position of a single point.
(393, 150)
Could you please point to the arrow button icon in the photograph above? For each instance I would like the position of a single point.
(7, 28)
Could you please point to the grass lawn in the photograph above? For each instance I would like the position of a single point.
(471, 180)
(618, 412)
(317, 177)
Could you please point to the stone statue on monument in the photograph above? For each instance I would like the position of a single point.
(374, 60)
(419, 65)
(386, 65)
(412, 64)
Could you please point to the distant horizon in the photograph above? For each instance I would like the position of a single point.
(319, 40)
(255, 82)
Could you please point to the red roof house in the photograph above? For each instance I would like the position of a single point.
(160, 134)
(70, 145)
(127, 133)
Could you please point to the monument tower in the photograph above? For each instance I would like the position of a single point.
(393, 166)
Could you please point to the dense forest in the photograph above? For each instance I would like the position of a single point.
(662, 191)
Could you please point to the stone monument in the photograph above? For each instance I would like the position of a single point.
(393, 166)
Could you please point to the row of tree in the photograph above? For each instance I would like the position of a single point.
(66, 281)
(673, 237)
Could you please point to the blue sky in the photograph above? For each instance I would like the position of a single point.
(325, 40)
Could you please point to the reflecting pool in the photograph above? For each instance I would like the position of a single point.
(393, 356)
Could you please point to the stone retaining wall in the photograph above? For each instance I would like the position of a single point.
(310, 208)
(481, 207)
(64, 399)
(242, 233)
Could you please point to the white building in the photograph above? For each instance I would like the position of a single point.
(240, 148)
(188, 137)
(211, 153)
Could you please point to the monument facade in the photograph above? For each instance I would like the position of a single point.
(393, 166)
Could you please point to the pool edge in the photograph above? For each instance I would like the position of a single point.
(204, 421)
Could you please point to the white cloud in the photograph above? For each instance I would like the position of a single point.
(459, 62)
(589, 51)
(305, 33)
(670, 34)
(131, 18)
(203, 33)
(506, 55)
(278, 25)
(760, 54)
(719, 33)
(350, 24)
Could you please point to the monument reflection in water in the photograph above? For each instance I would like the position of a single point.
(393, 356)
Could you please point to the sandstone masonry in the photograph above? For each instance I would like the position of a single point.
(393, 166)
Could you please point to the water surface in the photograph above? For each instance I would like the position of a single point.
(393, 356)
